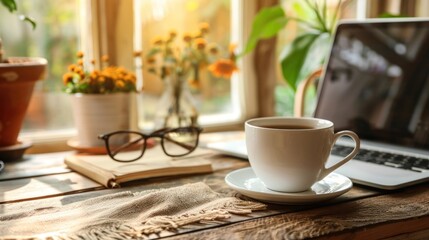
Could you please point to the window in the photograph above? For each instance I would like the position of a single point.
(216, 100)
(117, 28)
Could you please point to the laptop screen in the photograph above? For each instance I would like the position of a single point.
(376, 81)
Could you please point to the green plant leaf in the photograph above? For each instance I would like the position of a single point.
(321, 22)
(294, 56)
(10, 5)
(152, 52)
(284, 98)
(267, 23)
(306, 16)
(316, 55)
(325, 10)
(300, 10)
(273, 27)
(28, 20)
(82, 87)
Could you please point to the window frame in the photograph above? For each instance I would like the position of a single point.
(96, 40)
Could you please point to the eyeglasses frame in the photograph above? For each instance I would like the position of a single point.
(160, 133)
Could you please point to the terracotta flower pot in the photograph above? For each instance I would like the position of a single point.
(17, 79)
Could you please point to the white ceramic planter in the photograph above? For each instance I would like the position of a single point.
(95, 114)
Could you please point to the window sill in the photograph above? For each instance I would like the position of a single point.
(48, 141)
(56, 141)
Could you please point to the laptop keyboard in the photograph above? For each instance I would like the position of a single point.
(389, 159)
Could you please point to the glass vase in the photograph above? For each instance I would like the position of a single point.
(177, 106)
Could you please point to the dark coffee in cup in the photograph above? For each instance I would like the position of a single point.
(287, 127)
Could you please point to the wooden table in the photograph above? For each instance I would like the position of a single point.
(361, 213)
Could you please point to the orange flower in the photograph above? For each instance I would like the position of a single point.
(231, 50)
(213, 49)
(198, 35)
(194, 83)
(106, 80)
(158, 41)
(223, 68)
(232, 47)
(105, 58)
(204, 27)
(121, 70)
(137, 53)
(71, 67)
(120, 84)
(173, 34)
(150, 60)
(200, 43)
(79, 54)
(130, 78)
(101, 79)
(79, 71)
(81, 74)
(67, 77)
(190, 57)
(187, 37)
(94, 75)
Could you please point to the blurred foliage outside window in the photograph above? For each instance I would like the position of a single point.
(158, 18)
(55, 38)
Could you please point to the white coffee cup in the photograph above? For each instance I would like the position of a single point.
(290, 154)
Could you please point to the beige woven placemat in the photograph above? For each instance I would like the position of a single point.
(125, 214)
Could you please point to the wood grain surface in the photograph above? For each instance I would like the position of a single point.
(384, 216)
(361, 213)
(44, 186)
(32, 165)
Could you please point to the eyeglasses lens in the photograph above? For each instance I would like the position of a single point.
(180, 141)
(126, 146)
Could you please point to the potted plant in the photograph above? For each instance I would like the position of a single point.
(17, 78)
(101, 100)
(304, 55)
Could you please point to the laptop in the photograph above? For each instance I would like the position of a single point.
(376, 83)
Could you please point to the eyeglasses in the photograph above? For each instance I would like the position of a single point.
(128, 146)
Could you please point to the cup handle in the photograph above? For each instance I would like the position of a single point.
(351, 155)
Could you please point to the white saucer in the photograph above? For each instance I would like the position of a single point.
(245, 182)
